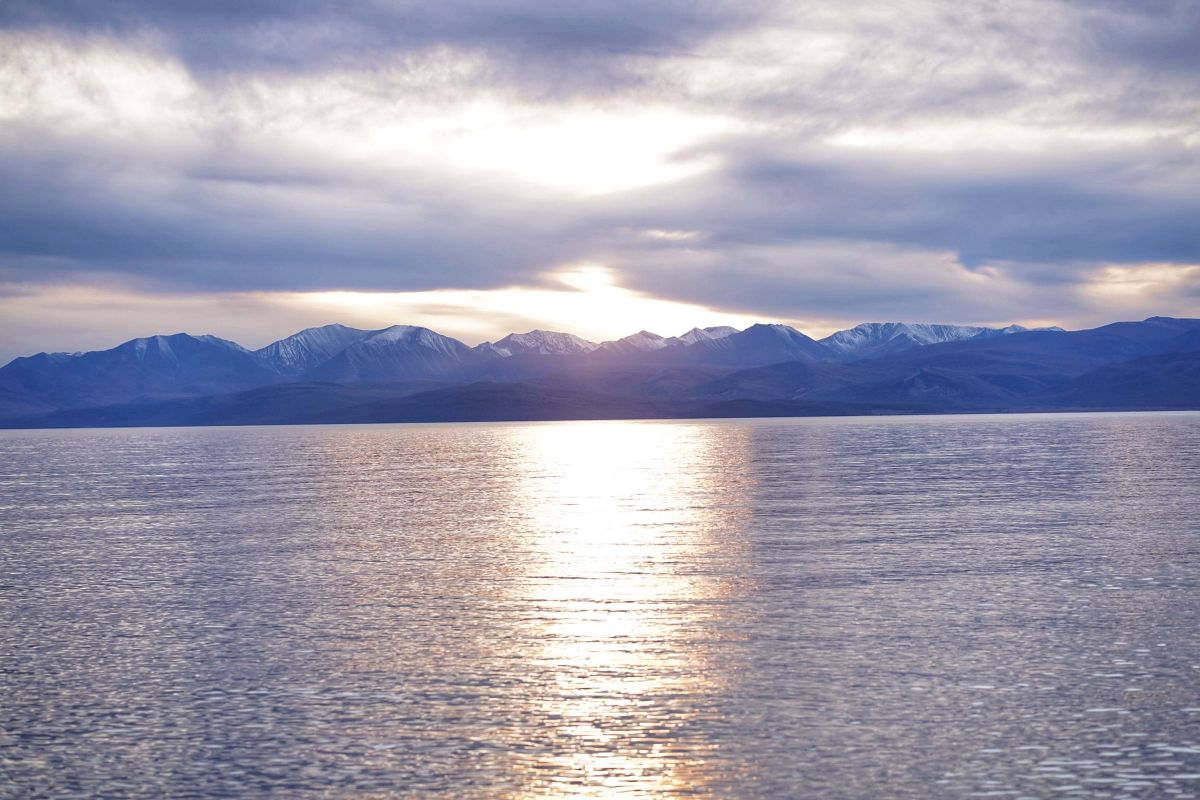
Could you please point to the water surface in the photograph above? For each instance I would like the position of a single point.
(843, 608)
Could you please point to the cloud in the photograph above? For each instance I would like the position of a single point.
(534, 46)
(803, 161)
(235, 232)
(1159, 35)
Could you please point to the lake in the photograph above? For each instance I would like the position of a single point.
(902, 607)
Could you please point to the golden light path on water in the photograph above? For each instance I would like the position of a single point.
(619, 511)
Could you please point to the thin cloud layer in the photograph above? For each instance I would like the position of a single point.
(1020, 161)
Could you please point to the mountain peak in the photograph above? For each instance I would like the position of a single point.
(776, 328)
(396, 353)
(642, 341)
(706, 334)
(540, 342)
(310, 347)
(396, 333)
(164, 345)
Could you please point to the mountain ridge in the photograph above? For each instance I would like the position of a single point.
(765, 367)
(874, 339)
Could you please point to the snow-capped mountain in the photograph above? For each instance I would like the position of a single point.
(706, 334)
(398, 353)
(647, 342)
(310, 347)
(538, 342)
(151, 366)
(877, 339)
(640, 342)
(756, 346)
(164, 347)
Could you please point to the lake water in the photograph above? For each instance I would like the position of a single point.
(841, 608)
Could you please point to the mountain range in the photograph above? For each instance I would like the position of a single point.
(403, 373)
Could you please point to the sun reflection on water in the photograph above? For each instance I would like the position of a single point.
(623, 610)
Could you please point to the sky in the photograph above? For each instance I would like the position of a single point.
(250, 167)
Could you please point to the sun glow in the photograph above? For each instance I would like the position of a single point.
(584, 151)
(585, 300)
(1116, 282)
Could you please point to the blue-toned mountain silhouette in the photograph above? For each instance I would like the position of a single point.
(407, 373)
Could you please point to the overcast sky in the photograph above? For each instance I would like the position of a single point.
(251, 167)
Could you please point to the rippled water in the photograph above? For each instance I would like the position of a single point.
(843, 608)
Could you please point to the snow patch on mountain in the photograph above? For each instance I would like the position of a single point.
(413, 336)
(642, 341)
(538, 342)
(310, 347)
(875, 339)
(163, 347)
(396, 333)
(706, 334)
